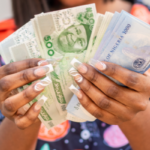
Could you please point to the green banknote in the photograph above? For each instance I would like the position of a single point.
(65, 33)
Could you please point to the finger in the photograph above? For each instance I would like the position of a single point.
(13, 103)
(106, 103)
(125, 96)
(128, 78)
(19, 79)
(29, 118)
(18, 66)
(93, 109)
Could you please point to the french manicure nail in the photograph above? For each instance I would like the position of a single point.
(43, 62)
(79, 66)
(40, 103)
(73, 72)
(43, 70)
(42, 84)
(37, 106)
(97, 64)
(52, 61)
(75, 91)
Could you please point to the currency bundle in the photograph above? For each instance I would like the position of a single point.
(80, 33)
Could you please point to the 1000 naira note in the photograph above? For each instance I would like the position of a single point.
(65, 33)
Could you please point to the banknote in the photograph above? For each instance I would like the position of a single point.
(34, 24)
(108, 34)
(26, 50)
(65, 33)
(75, 108)
(96, 27)
(114, 25)
(22, 35)
(74, 118)
(130, 45)
(49, 114)
(104, 25)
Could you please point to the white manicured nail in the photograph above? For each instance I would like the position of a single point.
(73, 72)
(40, 103)
(75, 91)
(79, 66)
(42, 84)
(52, 61)
(44, 70)
(97, 64)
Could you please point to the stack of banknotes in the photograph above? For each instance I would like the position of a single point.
(76, 33)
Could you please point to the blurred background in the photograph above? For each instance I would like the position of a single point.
(15, 13)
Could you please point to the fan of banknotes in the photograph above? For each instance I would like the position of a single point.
(83, 34)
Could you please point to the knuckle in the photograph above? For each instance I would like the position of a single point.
(104, 103)
(85, 103)
(141, 106)
(8, 104)
(86, 87)
(31, 62)
(26, 76)
(5, 84)
(27, 95)
(20, 124)
(31, 118)
(97, 113)
(93, 77)
(10, 68)
(112, 91)
(113, 69)
(132, 80)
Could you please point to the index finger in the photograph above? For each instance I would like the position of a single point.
(18, 66)
(128, 78)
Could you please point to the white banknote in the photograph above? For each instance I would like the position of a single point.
(99, 19)
(22, 35)
(104, 25)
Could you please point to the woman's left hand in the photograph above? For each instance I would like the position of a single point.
(105, 99)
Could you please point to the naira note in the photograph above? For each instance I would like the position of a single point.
(130, 45)
(75, 108)
(104, 25)
(22, 35)
(74, 118)
(99, 19)
(108, 34)
(65, 33)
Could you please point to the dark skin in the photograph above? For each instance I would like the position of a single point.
(127, 107)
(13, 76)
(130, 120)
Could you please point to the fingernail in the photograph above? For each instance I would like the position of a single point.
(43, 63)
(42, 84)
(97, 64)
(43, 70)
(76, 75)
(75, 91)
(52, 61)
(79, 66)
(40, 103)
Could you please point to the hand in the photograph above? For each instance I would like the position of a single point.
(105, 99)
(16, 75)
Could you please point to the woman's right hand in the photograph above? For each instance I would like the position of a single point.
(15, 75)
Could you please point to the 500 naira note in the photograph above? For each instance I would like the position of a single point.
(65, 33)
